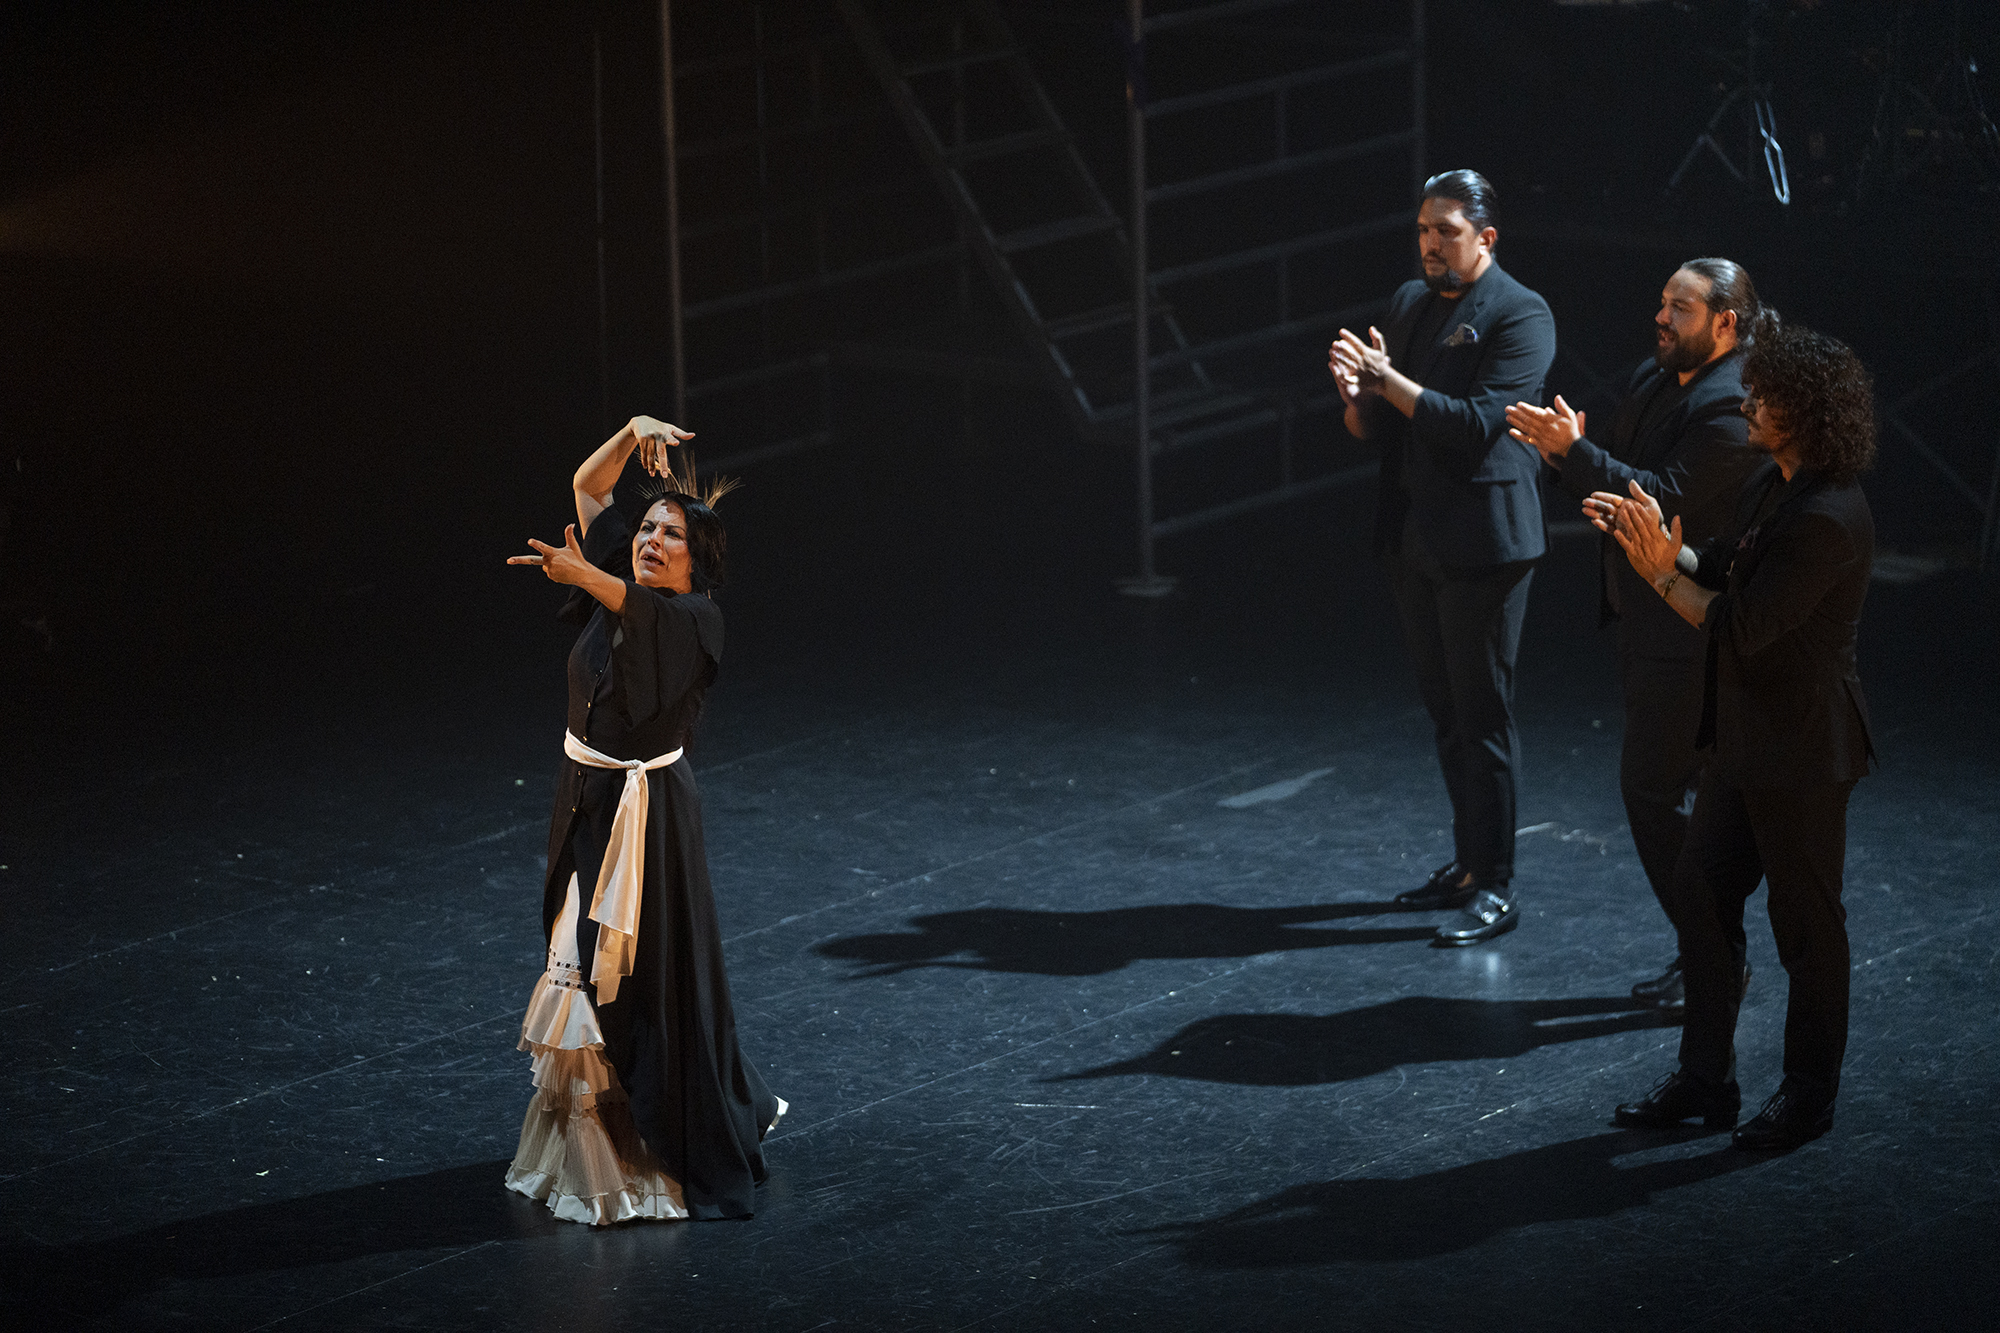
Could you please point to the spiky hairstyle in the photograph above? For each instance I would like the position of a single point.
(680, 480)
(707, 539)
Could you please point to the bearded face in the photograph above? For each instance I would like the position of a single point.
(1681, 352)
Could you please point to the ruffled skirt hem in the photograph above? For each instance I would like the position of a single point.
(631, 1204)
(580, 1151)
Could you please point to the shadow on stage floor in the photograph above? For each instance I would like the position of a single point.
(1078, 944)
(1442, 1212)
(449, 1209)
(1278, 1050)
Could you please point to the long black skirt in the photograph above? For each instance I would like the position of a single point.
(644, 1107)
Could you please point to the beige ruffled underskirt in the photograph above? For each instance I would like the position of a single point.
(580, 1151)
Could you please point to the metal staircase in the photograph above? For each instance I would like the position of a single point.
(1272, 154)
(1099, 318)
(1028, 206)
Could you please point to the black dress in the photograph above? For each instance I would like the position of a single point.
(644, 1106)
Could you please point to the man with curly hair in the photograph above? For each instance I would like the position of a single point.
(1785, 727)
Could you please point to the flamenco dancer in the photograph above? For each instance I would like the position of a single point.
(644, 1107)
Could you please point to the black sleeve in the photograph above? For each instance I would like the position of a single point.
(667, 644)
(608, 545)
(1513, 363)
(1707, 466)
(1711, 567)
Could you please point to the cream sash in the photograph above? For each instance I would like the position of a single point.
(615, 904)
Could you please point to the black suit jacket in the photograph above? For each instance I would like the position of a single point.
(1783, 704)
(1693, 459)
(1470, 485)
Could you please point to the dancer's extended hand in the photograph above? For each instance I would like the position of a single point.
(1649, 545)
(563, 564)
(655, 438)
(1550, 431)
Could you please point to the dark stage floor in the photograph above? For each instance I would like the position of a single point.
(1063, 925)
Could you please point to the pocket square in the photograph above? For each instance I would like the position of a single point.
(1462, 336)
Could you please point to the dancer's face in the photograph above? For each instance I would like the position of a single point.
(1687, 335)
(1453, 252)
(660, 557)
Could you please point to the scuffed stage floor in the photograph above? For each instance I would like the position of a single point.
(1072, 953)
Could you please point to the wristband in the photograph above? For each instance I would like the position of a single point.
(1668, 586)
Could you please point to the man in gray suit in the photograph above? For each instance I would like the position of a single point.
(1679, 433)
(1458, 520)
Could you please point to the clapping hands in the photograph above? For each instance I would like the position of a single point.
(1634, 523)
(1550, 431)
(1358, 368)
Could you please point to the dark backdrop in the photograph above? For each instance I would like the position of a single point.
(299, 325)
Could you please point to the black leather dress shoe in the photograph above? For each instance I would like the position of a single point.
(1787, 1120)
(1668, 991)
(1681, 1096)
(1488, 915)
(1441, 890)
(1664, 991)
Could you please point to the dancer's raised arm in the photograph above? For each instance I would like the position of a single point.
(595, 480)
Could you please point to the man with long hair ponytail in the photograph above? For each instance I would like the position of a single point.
(1678, 434)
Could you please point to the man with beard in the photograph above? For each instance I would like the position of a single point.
(1778, 600)
(1458, 520)
(1678, 434)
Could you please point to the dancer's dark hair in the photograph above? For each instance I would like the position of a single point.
(1822, 397)
(1730, 289)
(1472, 192)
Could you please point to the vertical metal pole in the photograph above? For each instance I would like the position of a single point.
(603, 302)
(1142, 387)
(964, 310)
(1989, 530)
(1282, 132)
(1419, 146)
(763, 180)
(678, 333)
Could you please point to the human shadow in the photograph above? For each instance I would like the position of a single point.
(1441, 1212)
(457, 1206)
(1081, 944)
(1299, 1049)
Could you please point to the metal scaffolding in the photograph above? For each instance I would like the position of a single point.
(1240, 404)
(1290, 129)
(784, 96)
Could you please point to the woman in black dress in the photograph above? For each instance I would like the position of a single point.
(644, 1107)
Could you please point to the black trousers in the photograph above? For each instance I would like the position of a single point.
(1463, 631)
(1795, 839)
(1659, 765)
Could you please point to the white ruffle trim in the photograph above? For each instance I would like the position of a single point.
(580, 1152)
(591, 1166)
(559, 1018)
